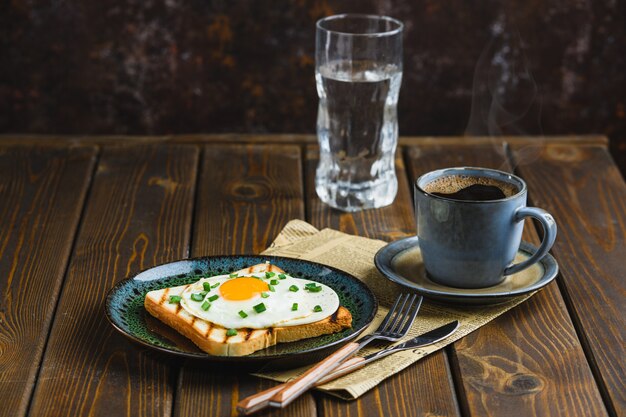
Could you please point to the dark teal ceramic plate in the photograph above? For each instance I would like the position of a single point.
(125, 311)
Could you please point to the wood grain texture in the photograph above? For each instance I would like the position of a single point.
(283, 138)
(585, 192)
(424, 388)
(42, 193)
(138, 214)
(246, 194)
(527, 362)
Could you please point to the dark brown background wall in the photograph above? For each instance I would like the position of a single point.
(185, 66)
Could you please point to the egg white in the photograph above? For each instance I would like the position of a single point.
(278, 304)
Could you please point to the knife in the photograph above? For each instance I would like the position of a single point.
(259, 401)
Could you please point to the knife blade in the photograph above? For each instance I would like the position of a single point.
(261, 400)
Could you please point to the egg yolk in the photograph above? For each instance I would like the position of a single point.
(243, 288)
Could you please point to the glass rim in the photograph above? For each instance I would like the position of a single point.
(392, 32)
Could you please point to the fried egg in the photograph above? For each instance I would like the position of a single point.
(259, 300)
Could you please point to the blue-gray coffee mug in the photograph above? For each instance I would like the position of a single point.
(472, 243)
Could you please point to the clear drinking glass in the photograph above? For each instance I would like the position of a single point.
(358, 72)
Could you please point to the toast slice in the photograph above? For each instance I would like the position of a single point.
(212, 338)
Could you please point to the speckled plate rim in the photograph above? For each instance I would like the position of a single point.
(249, 260)
(385, 256)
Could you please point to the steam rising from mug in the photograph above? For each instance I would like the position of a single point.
(505, 98)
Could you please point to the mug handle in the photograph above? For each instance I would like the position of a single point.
(549, 235)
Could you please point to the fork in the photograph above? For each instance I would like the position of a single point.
(394, 327)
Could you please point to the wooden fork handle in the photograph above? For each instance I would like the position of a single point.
(305, 381)
(261, 400)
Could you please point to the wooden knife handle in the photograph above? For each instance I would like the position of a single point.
(261, 399)
(294, 388)
(258, 401)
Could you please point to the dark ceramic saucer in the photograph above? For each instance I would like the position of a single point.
(125, 311)
(401, 262)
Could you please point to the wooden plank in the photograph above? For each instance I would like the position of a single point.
(287, 138)
(529, 360)
(584, 190)
(246, 195)
(42, 193)
(138, 214)
(424, 388)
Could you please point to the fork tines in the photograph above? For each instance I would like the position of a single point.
(401, 315)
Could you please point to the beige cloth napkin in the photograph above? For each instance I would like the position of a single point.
(355, 255)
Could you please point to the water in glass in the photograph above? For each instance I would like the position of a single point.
(357, 128)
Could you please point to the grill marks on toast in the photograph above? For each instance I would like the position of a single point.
(164, 296)
(208, 330)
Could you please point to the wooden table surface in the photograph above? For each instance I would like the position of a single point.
(78, 214)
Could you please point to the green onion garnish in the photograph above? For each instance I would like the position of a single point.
(274, 282)
(231, 332)
(313, 287)
(175, 299)
(217, 284)
(293, 288)
(317, 309)
(269, 274)
(282, 276)
(271, 287)
(243, 314)
(233, 275)
(264, 295)
(294, 307)
(259, 308)
(205, 306)
(197, 297)
(214, 297)
(206, 286)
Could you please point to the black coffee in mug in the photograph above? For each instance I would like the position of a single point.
(466, 188)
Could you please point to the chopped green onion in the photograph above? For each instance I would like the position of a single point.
(269, 274)
(274, 282)
(217, 284)
(231, 332)
(197, 297)
(214, 297)
(293, 288)
(175, 299)
(317, 309)
(313, 287)
(271, 287)
(282, 276)
(264, 295)
(206, 286)
(243, 314)
(205, 306)
(233, 275)
(294, 307)
(259, 308)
